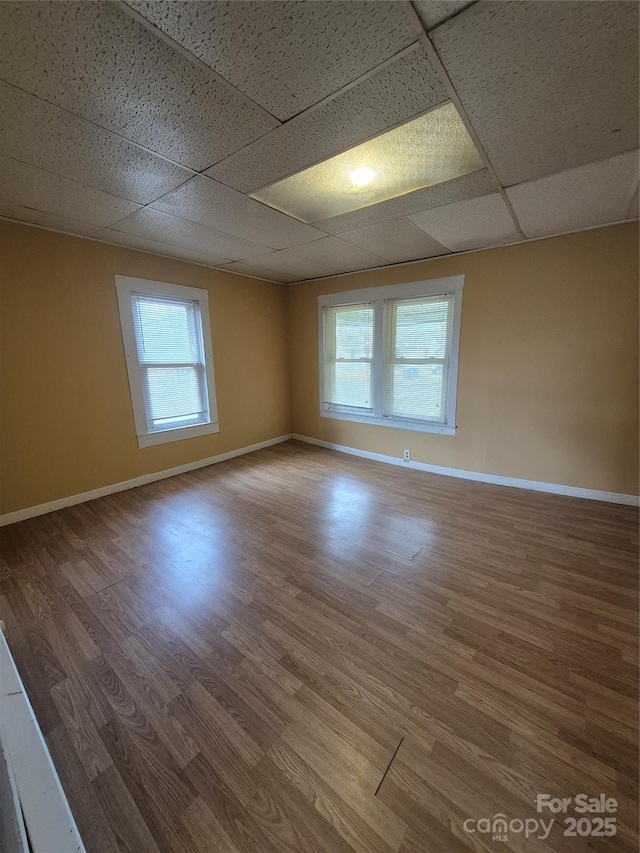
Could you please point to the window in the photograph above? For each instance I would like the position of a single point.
(389, 355)
(167, 341)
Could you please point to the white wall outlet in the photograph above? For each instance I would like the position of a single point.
(406, 456)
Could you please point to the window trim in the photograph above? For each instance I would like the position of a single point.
(378, 295)
(125, 287)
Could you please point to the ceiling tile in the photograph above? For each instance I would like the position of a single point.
(396, 241)
(190, 235)
(134, 241)
(285, 267)
(472, 224)
(434, 12)
(546, 85)
(212, 204)
(397, 92)
(468, 186)
(310, 50)
(31, 187)
(97, 62)
(247, 268)
(337, 255)
(44, 135)
(46, 220)
(589, 195)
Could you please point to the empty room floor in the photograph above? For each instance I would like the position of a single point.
(297, 650)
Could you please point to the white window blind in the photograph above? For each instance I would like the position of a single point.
(167, 342)
(348, 362)
(416, 357)
(391, 358)
(171, 358)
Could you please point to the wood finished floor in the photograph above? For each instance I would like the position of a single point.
(300, 651)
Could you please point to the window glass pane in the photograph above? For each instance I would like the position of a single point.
(354, 332)
(166, 330)
(418, 391)
(173, 393)
(421, 329)
(352, 384)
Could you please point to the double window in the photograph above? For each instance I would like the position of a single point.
(389, 355)
(169, 359)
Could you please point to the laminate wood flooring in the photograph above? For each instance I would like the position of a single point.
(297, 650)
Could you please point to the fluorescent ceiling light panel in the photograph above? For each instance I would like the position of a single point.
(428, 150)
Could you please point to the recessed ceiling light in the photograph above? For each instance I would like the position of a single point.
(362, 176)
(428, 150)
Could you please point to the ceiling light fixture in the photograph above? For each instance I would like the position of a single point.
(428, 150)
(362, 176)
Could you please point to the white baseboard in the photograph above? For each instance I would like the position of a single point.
(61, 503)
(533, 485)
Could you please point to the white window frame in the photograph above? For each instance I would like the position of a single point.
(452, 285)
(126, 287)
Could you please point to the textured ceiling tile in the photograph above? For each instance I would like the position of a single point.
(337, 255)
(472, 224)
(46, 220)
(217, 206)
(245, 268)
(134, 241)
(468, 186)
(31, 187)
(546, 85)
(285, 266)
(396, 241)
(589, 195)
(180, 232)
(97, 62)
(392, 95)
(286, 56)
(46, 136)
(434, 12)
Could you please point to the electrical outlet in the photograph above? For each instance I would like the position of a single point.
(407, 456)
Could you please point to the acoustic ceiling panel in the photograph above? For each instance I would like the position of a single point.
(282, 266)
(402, 89)
(546, 85)
(217, 206)
(46, 136)
(434, 12)
(45, 220)
(31, 187)
(97, 62)
(337, 255)
(468, 186)
(396, 241)
(134, 241)
(190, 235)
(286, 56)
(472, 224)
(580, 198)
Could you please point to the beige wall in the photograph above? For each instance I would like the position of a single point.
(547, 390)
(66, 422)
(548, 376)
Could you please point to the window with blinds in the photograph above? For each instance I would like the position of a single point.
(392, 359)
(169, 359)
(348, 362)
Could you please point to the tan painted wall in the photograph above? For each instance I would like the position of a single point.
(66, 422)
(548, 376)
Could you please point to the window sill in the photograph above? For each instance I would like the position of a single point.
(179, 434)
(415, 426)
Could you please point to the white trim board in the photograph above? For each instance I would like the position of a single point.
(72, 500)
(495, 479)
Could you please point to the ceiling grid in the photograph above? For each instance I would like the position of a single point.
(159, 141)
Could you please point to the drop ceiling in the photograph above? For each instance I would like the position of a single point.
(151, 124)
